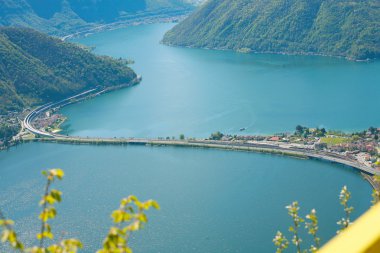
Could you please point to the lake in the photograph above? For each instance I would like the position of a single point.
(212, 200)
(197, 92)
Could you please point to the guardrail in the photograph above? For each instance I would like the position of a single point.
(363, 236)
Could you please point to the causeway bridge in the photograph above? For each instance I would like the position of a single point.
(226, 145)
(198, 143)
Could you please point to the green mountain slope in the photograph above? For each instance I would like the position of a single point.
(328, 27)
(36, 68)
(60, 17)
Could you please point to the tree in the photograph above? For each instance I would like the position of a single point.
(7, 131)
(321, 132)
(372, 130)
(216, 136)
(128, 218)
(299, 129)
(181, 136)
(302, 131)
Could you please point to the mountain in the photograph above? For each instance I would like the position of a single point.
(343, 28)
(60, 17)
(36, 68)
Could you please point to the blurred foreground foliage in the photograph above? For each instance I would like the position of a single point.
(311, 223)
(128, 218)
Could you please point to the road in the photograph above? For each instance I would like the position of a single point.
(34, 113)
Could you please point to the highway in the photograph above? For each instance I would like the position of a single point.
(34, 113)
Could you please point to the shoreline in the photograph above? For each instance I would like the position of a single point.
(301, 53)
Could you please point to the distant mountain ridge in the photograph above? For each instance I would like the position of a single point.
(342, 28)
(36, 68)
(61, 16)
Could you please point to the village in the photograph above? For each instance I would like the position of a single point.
(13, 132)
(364, 147)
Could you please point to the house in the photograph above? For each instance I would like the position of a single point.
(370, 147)
(274, 138)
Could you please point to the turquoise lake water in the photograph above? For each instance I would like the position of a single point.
(212, 200)
(197, 92)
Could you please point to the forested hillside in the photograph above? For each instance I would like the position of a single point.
(328, 27)
(68, 16)
(36, 68)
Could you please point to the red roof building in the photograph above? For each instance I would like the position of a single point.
(274, 138)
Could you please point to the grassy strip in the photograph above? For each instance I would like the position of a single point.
(335, 140)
